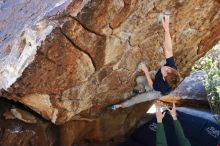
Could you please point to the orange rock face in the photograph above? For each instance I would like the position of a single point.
(99, 130)
(88, 62)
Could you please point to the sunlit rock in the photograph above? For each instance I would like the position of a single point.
(93, 47)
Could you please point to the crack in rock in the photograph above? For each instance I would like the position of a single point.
(80, 49)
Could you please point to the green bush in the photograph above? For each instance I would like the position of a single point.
(210, 64)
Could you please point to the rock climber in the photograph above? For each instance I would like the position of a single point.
(166, 79)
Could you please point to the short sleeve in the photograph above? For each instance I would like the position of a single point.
(170, 62)
(160, 85)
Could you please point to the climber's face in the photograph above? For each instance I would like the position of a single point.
(165, 70)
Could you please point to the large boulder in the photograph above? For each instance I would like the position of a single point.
(88, 60)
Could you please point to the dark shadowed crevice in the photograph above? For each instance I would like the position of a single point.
(28, 134)
(6, 104)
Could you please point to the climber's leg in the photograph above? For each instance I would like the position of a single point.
(141, 98)
(141, 87)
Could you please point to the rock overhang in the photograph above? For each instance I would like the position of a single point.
(90, 58)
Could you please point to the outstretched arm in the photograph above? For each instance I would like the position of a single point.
(147, 74)
(183, 141)
(160, 135)
(168, 42)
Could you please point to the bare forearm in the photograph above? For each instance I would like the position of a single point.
(168, 44)
(149, 80)
(147, 74)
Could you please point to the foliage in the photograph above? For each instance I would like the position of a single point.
(210, 64)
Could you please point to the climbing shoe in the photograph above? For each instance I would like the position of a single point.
(112, 107)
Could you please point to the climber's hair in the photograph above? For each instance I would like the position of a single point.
(173, 78)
